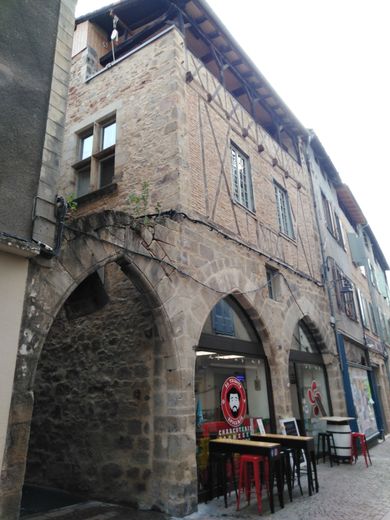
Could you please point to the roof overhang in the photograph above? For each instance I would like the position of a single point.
(199, 16)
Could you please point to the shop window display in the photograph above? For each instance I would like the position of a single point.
(363, 401)
(308, 383)
(231, 382)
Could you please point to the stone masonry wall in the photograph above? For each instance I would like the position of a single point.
(170, 136)
(145, 93)
(185, 268)
(92, 428)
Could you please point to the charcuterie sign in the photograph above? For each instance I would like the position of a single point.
(233, 401)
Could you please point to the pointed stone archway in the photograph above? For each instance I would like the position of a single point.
(165, 437)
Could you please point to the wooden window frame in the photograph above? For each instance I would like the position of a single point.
(283, 208)
(98, 155)
(242, 188)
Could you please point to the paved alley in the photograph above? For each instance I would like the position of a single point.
(347, 492)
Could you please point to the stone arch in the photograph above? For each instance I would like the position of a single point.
(311, 314)
(315, 332)
(229, 281)
(90, 243)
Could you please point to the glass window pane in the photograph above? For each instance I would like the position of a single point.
(212, 370)
(83, 177)
(242, 185)
(364, 403)
(86, 147)
(109, 135)
(313, 395)
(107, 167)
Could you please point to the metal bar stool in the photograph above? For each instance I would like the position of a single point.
(355, 438)
(326, 440)
(221, 461)
(249, 472)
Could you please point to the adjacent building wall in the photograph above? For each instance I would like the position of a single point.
(34, 54)
(26, 70)
(12, 287)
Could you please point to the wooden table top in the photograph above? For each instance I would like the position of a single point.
(246, 442)
(336, 418)
(280, 436)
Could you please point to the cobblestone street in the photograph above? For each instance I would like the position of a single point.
(346, 492)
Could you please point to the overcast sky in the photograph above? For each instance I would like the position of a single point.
(329, 61)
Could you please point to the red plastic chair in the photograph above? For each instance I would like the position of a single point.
(355, 437)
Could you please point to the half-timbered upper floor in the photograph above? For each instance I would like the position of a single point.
(165, 106)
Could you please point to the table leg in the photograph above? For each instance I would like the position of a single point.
(314, 462)
(209, 493)
(271, 484)
(287, 471)
(309, 472)
(297, 466)
(279, 481)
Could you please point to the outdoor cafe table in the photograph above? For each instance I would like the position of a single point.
(250, 447)
(296, 443)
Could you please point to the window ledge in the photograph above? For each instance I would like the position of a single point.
(80, 164)
(293, 240)
(97, 194)
(251, 212)
(104, 153)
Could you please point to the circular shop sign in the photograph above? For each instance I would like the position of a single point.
(233, 401)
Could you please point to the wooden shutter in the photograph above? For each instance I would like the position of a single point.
(222, 319)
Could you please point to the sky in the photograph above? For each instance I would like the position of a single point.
(329, 62)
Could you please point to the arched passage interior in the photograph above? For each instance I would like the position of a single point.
(229, 347)
(92, 431)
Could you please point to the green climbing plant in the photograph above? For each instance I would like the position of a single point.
(139, 203)
(71, 203)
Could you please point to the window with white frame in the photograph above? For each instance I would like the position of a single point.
(241, 178)
(333, 222)
(284, 211)
(273, 284)
(95, 167)
(363, 309)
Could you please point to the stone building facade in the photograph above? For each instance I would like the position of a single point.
(192, 188)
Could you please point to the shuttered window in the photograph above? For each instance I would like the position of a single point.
(222, 319)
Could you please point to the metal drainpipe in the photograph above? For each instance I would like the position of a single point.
(62, 208)
(338, 337)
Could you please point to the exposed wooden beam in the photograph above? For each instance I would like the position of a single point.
(238, 91)
(200, 20)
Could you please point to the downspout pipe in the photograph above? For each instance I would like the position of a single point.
(62, 208)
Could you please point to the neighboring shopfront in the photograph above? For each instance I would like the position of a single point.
(232, 382)
(359, 375)
(308, 383)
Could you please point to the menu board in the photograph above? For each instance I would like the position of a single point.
(289, 426)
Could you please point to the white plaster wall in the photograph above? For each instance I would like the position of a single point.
(13, 275)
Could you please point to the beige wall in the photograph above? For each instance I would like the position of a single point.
(13, 275)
